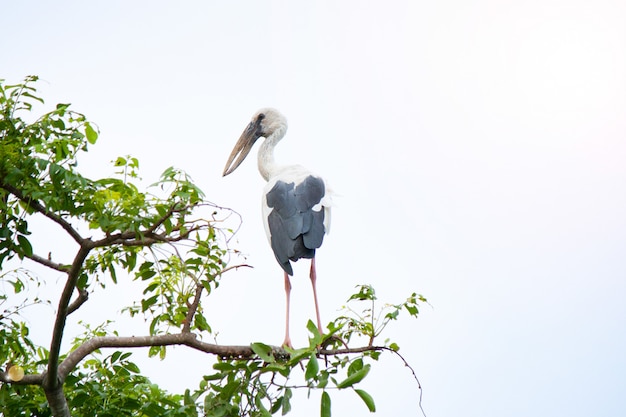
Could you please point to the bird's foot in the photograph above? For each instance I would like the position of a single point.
(287, 343)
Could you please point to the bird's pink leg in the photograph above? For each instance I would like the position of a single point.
(313, 276)
(287, 341)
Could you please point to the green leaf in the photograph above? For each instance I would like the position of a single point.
(113, 274)
(147, 303)
(412, 309)
(230, 389)
(312, 367)
(355, 366)
(25, 245)
(325, 405)
(115, 356)
(275, 406)
(276, 367)
(296, 356)
(258, 401)
(323, 379)
(213, 377)
(201, 323)
(132, 367)
(286, 404)
(263, 351)
(153, 410)
(355, 377)
(82, 281)
(317, 337)
(367, 399)
(223, 366)
(393, 315)
(366, 292)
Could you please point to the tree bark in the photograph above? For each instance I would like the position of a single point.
(57, 401)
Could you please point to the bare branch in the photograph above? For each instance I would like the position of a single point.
(193, 307)
(47, 262)
(38, 207)
(51, 380)
(83, 296)
(187, 339)
(235, 267)
(29, 379)
(369, 348)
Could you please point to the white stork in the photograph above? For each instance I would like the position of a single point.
(296, 203)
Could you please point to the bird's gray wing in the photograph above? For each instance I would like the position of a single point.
(296, 230)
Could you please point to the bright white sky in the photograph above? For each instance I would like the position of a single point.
(479, 149)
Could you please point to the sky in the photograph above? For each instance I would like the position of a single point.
(477, 148)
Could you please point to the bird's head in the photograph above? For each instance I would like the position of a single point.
(265, 123)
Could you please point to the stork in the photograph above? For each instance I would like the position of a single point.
(296, 202)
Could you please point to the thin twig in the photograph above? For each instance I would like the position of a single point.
(332, 352)
(235, 267)
(419, 385)
(193, 307)
(167, 214)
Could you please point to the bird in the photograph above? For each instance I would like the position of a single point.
(295, 202)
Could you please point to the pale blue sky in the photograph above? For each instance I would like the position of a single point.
(478, 148)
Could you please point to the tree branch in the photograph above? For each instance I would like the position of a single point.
(167, 214)
(51, 381)
(193, 307)
(30, 379)
(235, 267)
(83, 296)
(47, 262)
(186, 339)
(369, 348)
(38, 207)
(147, 238)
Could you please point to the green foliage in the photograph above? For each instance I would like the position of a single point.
(16, 346)
(38, 160)
(165, 237)
(102, 386)
(112, 386)
(370, 323)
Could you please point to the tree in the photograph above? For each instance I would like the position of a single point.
(171, 240)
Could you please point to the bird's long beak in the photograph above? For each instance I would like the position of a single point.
(243, 146)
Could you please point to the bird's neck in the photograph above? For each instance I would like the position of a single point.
(267, 165)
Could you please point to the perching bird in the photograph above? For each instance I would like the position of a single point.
(296, 203)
